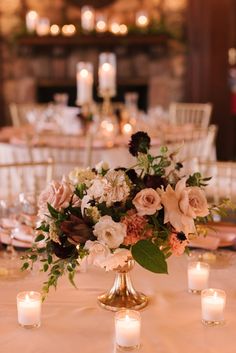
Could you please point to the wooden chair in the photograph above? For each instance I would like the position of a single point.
(197, 114)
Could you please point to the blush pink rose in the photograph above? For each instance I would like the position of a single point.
(198, 202)
(57, 194)
(147, 202)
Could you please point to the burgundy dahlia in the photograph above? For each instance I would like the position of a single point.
(140, 142)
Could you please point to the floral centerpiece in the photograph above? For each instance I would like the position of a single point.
(110, 217)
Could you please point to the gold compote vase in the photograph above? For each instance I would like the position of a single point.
(122, 294)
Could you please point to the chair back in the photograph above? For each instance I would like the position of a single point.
(24, 177)
(198, 114)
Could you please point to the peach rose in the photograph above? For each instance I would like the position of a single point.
(147, 202)
(176, 207)
(57, 194)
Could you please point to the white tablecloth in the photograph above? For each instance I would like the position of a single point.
(73, 322)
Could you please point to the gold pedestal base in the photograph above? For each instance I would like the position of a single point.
(122, 294)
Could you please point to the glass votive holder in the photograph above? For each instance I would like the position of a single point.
(127, 329)
(198, 276)
(29, 309)
(213, 306)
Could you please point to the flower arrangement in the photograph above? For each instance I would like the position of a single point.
(104, 217)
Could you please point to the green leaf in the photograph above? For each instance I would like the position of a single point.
(39, 238)
(45, 267)
(25, 266)
(53, 212)
(149, 256)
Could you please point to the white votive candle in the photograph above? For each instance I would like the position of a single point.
(87, 18)
(127, 329)
(29, 309)
(198, 275)
(213, 305)
(31, 20)
(142, 19)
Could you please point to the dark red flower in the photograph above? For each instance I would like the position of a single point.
(140, 142)
(76, 230)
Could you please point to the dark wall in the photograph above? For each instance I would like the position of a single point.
(211, 32)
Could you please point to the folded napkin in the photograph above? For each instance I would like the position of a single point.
(218, 235)
(23, 236)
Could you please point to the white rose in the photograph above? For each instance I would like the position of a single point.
(147, 202)
(118, 258)
(110, 232)
(98, 252)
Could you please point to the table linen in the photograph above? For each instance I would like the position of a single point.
(73, 322)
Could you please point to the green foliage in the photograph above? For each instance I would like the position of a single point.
(149, 256)
(196, 179)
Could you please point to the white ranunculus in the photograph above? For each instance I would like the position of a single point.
(98, 252)
(118, 258)
(109, 232)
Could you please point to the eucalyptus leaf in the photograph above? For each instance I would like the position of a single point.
(149, 256)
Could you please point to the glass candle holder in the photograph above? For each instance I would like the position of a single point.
(127, 329)
(31, 20)
(43, 26)
(87, 18)
(84, 78)
(198, 276)
(107, 74)
(142, 19)
(213, 306)
(29, 309)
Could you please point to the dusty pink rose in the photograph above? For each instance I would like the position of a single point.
(176, 207)
(147, 202)
(136, 228)
(178, 243)
(57, 194)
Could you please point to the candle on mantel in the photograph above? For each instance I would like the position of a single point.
(107, 74)
(68, 30)
(142, 19)
(54, 30)
(198, 275)
(84, 79)
(213, 305)
(127, 329)
(31, 20)
(114, 27)
(43, 26)
(29, 309)
(87, 18)
(123, 29)
(101, 23)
